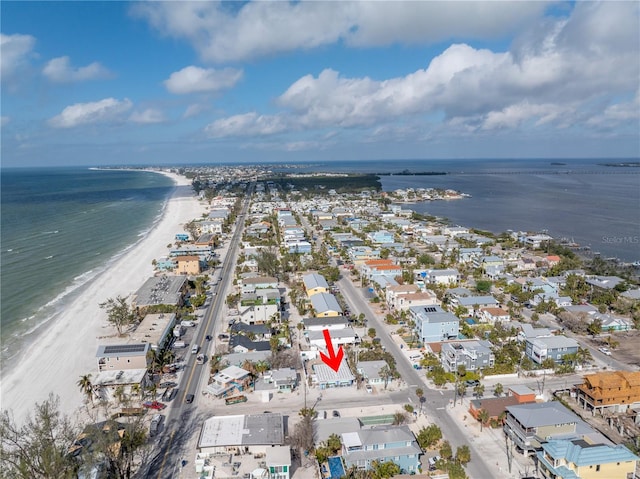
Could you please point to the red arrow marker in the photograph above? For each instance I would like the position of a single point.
(332, 360)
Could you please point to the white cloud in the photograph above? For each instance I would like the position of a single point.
(194, 110)
(220, 33)
(4, 120)
(59, 70)
(245, 125)
(554, 74)
(514, 115)
(16, 50)
(148, 116)
(193, 79)
(620, 113)
(103, 111)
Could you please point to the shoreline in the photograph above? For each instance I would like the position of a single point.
(64, 348)
(72, 291)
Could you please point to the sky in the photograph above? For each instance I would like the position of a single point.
(119, 83)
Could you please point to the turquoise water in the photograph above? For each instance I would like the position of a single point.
(60, 228)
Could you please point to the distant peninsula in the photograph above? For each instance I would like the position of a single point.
(623, 164)
(412, 173)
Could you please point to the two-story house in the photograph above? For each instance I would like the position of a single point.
(434, 324)
(530, 425)
(554, 347)
(397, 444)
(228, 381)
(123, 356)
(579, 459)
(474, 355)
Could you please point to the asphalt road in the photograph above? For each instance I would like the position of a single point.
(183, 420)
(436, 400)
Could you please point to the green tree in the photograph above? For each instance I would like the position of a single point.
(478, 390)
(595, 327)
(583, 355)
(387, 374)
(40, 447)
(119, 314)
(483, 286)
(463, 454)
(446, 452)
(498, 389)
(385, 470)
(86, 386)
(267, 261)
(399, 417)
(456, 471)
(429, 436)
(483, 417)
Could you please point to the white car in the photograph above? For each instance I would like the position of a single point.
(369, 388)
(604, 350)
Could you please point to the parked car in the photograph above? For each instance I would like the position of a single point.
(369, 388)
(432, 462)
(169, 394)
(154, 405)
(604, 350)
(336, 414)
(471, 383)
(168, 384)
(155, 424)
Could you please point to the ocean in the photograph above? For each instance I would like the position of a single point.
(60, 228)
(581, 200)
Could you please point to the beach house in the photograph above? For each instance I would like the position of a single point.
(434, 324)
(397, 444)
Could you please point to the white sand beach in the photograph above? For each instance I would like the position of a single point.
(66, 349)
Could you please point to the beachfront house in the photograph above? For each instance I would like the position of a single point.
(117, 357)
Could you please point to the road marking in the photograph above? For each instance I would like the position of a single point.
(440, 408)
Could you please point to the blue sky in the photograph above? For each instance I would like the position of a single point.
(176, 82)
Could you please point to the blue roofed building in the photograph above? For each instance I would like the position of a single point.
(578, 459)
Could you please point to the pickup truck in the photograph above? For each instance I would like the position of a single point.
(200, 358)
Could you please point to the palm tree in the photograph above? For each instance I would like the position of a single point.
(583, 355)
(86, 386)
(498, 389)
(152, 389)
(483, 417)
(478, 390)
(135, 389)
